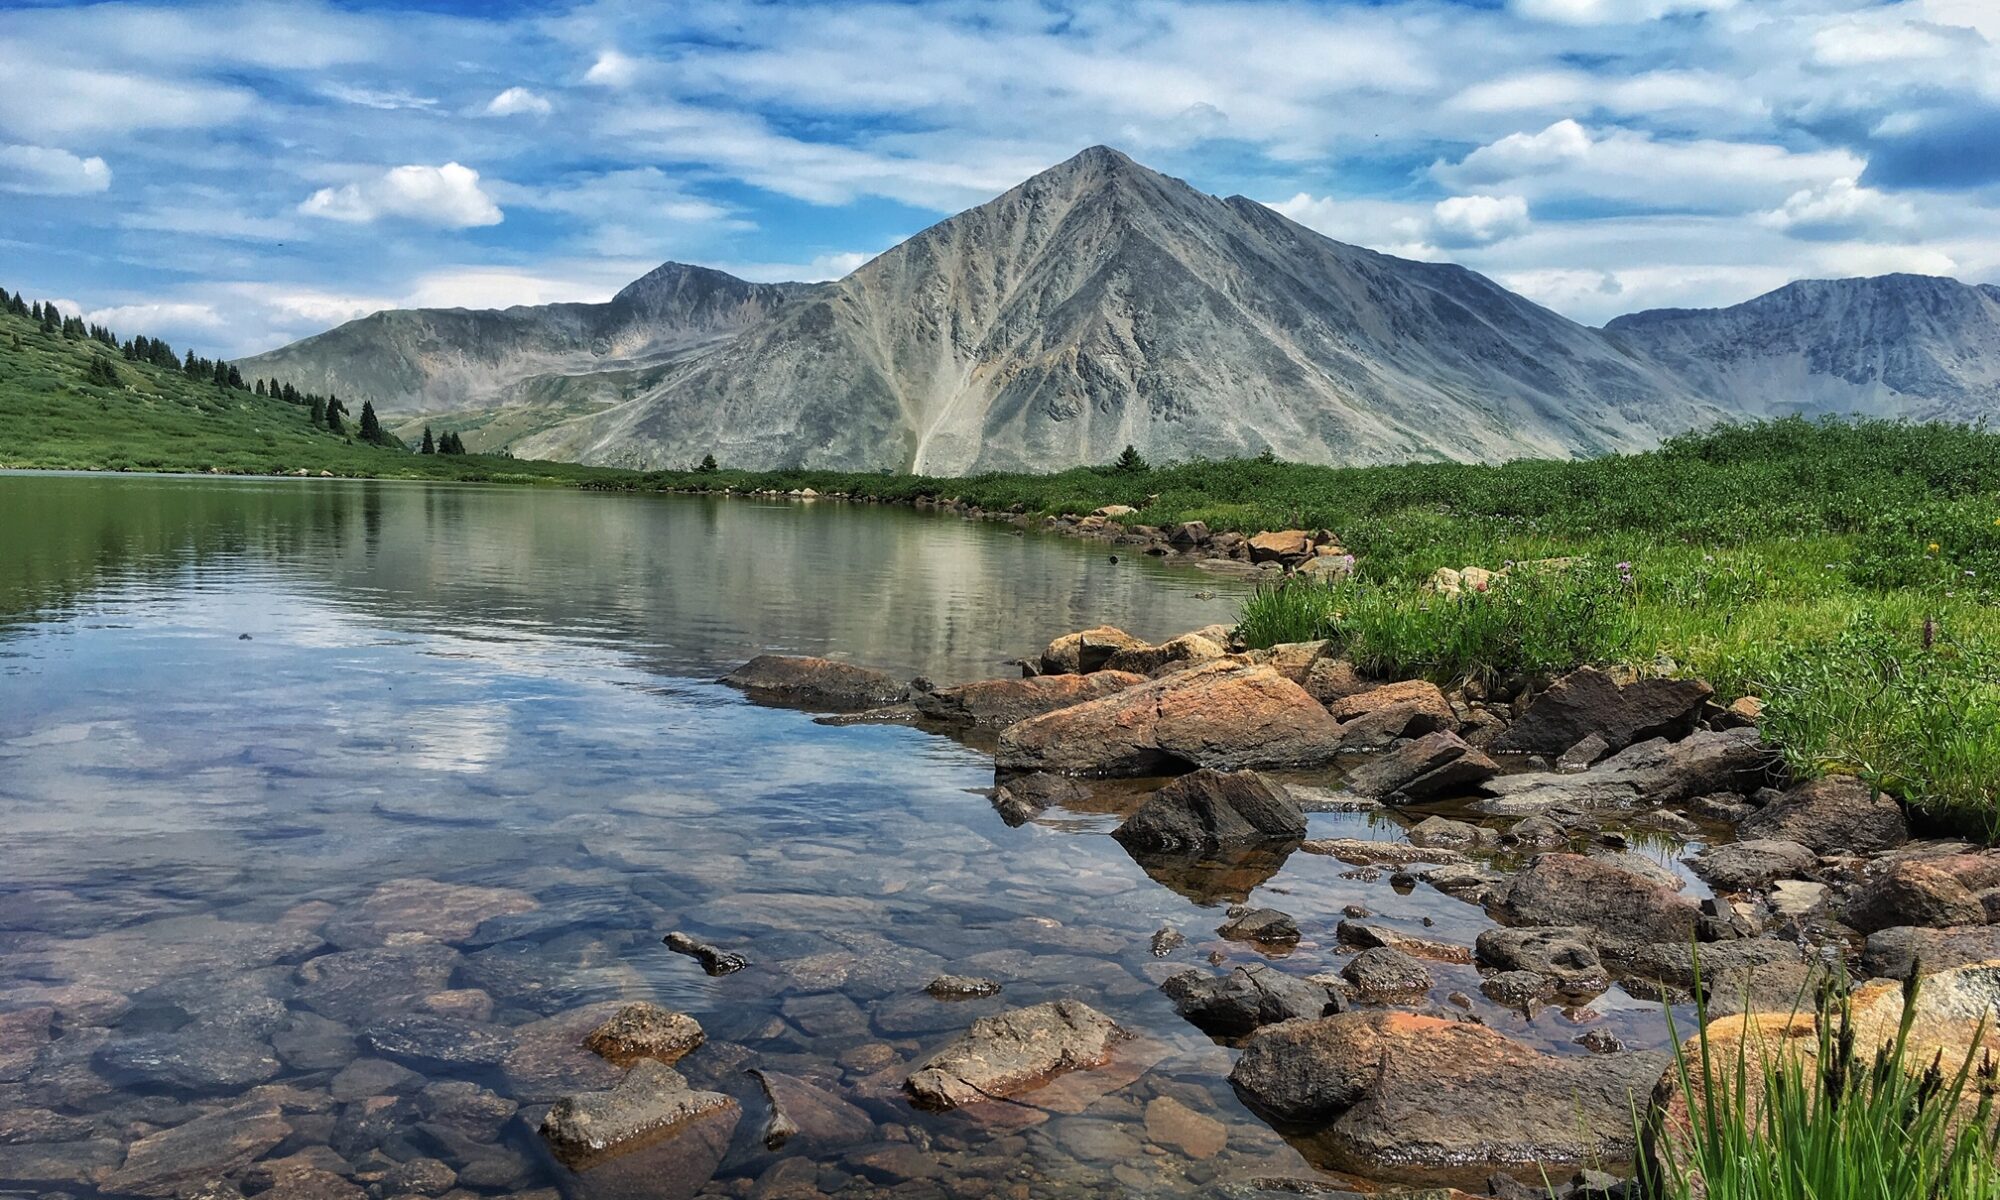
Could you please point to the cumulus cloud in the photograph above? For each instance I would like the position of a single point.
(145, 318)
(1477, 220)
(43, 171)
(447, 196)
(612, 70)
(516, 101)
(1839, 209)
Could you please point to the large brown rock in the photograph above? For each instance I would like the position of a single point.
(1012, 1052)
(645, 1030)
(651, 1102)
(1217, 715)
(1587, 701)
(1435, 765)
(1398, 1090)
(1281, 545)
(814, 682)
(1838, 814)
(1643, 775)
(998, 703)
(1891, 953)
(1574, 890)
(1086, 651)
(1145, 660)
(1213, 810)
(206, 1148)
(1914, 892)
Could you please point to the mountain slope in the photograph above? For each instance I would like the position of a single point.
(1912, 346)
(1100, 303)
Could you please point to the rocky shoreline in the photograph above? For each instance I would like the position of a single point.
(1550, 789)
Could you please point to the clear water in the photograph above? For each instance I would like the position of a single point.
(236, 717)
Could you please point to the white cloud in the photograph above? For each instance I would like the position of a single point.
(612, 70)
(43, 171)
(1476, 220)
(387, 100)
(518, 100)
(1840, 207)
(42, 99)
(504, 287)
(1865, 43)
(1607, 12)
(447, 196)
(127, 319)
(836, 265)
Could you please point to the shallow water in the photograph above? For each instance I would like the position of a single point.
(236, 716)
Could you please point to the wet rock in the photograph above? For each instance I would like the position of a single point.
(1364, 935)
(1212, 810)
(644, 1030)
(1469, 882)
(713, 960)
(1584, 754)
(998, 703)
(464, 1110)
(1014, 1051)
(1891, 953)
(205, 1058)
(1587, 701)
(1217, 715)
(1520, 990)
(22, 1125)
(54, 1165)
(1021, 799)
(649, 1103)
(1365, 853)
(355, 986)
(1599, 1041)
(1838, 814)
(811, 1118)
(1086, 651)
(1384, 974)
(366, 1077)
(1265, 926)
(962, 987)
(1435, 765)
(1914, 892)
(1400, 1090)
(411, 909)
(208, 1147)
(814, 682)
(1174, 1125)
(1573, 890)
(23, 1033)
(1563, 954)
(419, 1177)
(1245, 999)
(1448, 834)
(548, 1059)
(1743, 866)
(1166, 940)
(437, 1043)
(1145, 660)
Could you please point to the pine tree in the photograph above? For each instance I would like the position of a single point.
(1131, 462)
(100, 372)
(318, 414)
(707, 464)
(429, 446)
(371, 426)
(333, 410)
(234, 379)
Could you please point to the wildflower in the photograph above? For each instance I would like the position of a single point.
(1931, 549)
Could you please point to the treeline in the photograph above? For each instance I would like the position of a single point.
(326, 412)
(448, 443)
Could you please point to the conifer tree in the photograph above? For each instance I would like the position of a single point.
(333, 410)
(707, 464)
(429, 446)
(371, 426)
(318, 414)
(1131, 462)
(100, 372)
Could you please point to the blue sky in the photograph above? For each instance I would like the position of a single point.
(236, 175)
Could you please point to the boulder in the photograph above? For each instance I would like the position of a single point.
(1247, 998)
(1293, 660)
(645, 1030)
(1086, 651)
(1452, 835)
(1574, 890)
(1013, 1052)
(1837, 814)
(962, 987)
(651, 1103)
(1422, 700)
(814, 682)
(1187, 534)
(1144, 660)
(1435, 765)
(1742, 866)
(1643, 775)
(1281, 545)
(1209, 716)
(1587, 701)
(998, 703)
(1330, 680)
(1891, 953)
(1265, 926)
(1953, 1016)
(1583, 755)
(1211, 810)
(1914, 892)
(1560, 953)
(1382, 973)
(1397, 1091)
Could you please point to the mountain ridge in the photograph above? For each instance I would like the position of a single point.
(1096, 304)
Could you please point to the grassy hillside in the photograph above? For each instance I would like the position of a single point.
(1844, 573)
(154, 418)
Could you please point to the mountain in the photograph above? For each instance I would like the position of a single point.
(1911, 346)
(1097, 304)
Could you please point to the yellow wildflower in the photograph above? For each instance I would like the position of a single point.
(1932, 548)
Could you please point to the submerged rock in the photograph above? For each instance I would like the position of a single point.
(1024, 797)
(1246, 999)
(810, 1117)
(437, 1043)
(713, 960)
(1589, 702)
(998, 703)
(651, 1102)
(1212, 810)
(1835, 815)
(206, 1148)
(962, 987)
(1013, 1052)
(1562, 954)
(645, 1030)
(1217, 715)
(814, 682)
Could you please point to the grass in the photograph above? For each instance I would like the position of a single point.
(160, 420)
(1842, 1123)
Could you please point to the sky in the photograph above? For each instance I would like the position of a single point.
(236, 175)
